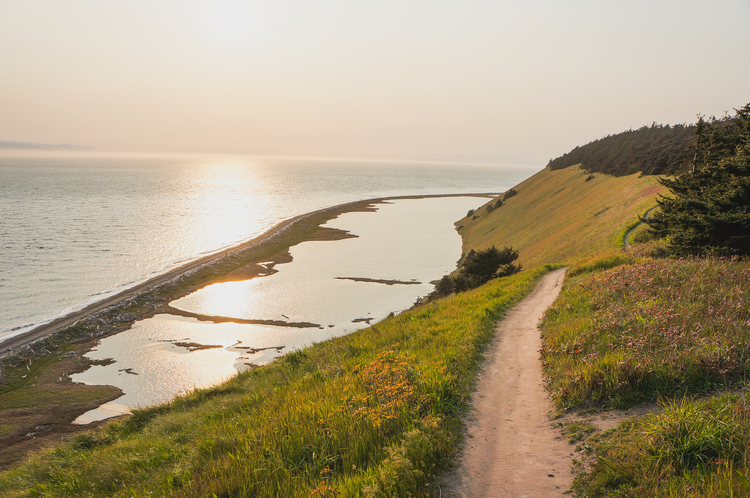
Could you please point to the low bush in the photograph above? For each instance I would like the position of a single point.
(494, 205)
(510, 193)
(478, 268)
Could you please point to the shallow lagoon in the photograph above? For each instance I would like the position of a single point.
(406, 240)
(79, 228)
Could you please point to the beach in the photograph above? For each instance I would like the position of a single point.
(77, 230)
(170, 285)
(55, 351)
(235, 263)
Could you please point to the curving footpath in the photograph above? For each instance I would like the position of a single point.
(512, 450)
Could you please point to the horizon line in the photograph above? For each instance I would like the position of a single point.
(94, 152)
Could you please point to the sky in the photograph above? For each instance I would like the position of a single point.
(499, 82)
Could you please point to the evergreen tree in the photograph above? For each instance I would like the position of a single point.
(478, 268)
(709, 212)
(718, 139)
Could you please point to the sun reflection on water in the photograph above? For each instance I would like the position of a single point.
(405, 240)
(226, 212)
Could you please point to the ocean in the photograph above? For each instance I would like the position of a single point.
(76, 228)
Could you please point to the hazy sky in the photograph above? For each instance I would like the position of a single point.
(487, 81)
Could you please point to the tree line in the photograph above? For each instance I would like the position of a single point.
(659, 149)
(708, 211)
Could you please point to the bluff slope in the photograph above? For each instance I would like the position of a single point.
(561, 215)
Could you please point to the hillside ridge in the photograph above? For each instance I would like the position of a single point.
(559, 215)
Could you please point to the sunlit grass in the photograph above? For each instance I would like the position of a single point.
(648, 328)
(691, 449)
(375, 413)
(558, 216)
(629, 329)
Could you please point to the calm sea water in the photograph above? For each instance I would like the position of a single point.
(408, 241)
(74, 229)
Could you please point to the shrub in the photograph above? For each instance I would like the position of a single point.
(492, 206)
(478, 268)
(510, 193)
(445, 286)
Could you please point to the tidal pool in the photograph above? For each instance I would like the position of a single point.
(339, 286)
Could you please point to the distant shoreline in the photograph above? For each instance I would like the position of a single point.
(39, 146)
(172, 277)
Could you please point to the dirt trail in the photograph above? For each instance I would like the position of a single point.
(512, 450)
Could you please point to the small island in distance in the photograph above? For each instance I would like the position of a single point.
(27, 145)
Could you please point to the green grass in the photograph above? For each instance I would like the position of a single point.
(691, 449)
(375, 413)
(34, 393)
(629, 329)
(648, 328)
(34, 396)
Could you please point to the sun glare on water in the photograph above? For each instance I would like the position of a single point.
(226, 213)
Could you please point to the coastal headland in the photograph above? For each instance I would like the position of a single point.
(35, 366)
(388, 409)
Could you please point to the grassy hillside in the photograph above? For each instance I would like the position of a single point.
(375, 413)
(649, 328)
(630, 329)
(558, 216)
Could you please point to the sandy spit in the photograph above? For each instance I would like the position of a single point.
(13, 344)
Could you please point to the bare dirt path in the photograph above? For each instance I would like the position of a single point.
(512, 450)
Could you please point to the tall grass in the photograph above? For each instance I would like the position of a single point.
(648, 329)
(375, 413)
(690, 449)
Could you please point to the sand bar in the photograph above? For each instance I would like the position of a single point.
(40, 361)
(172, 277)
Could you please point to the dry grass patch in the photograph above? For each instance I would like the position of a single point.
(558, 216)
